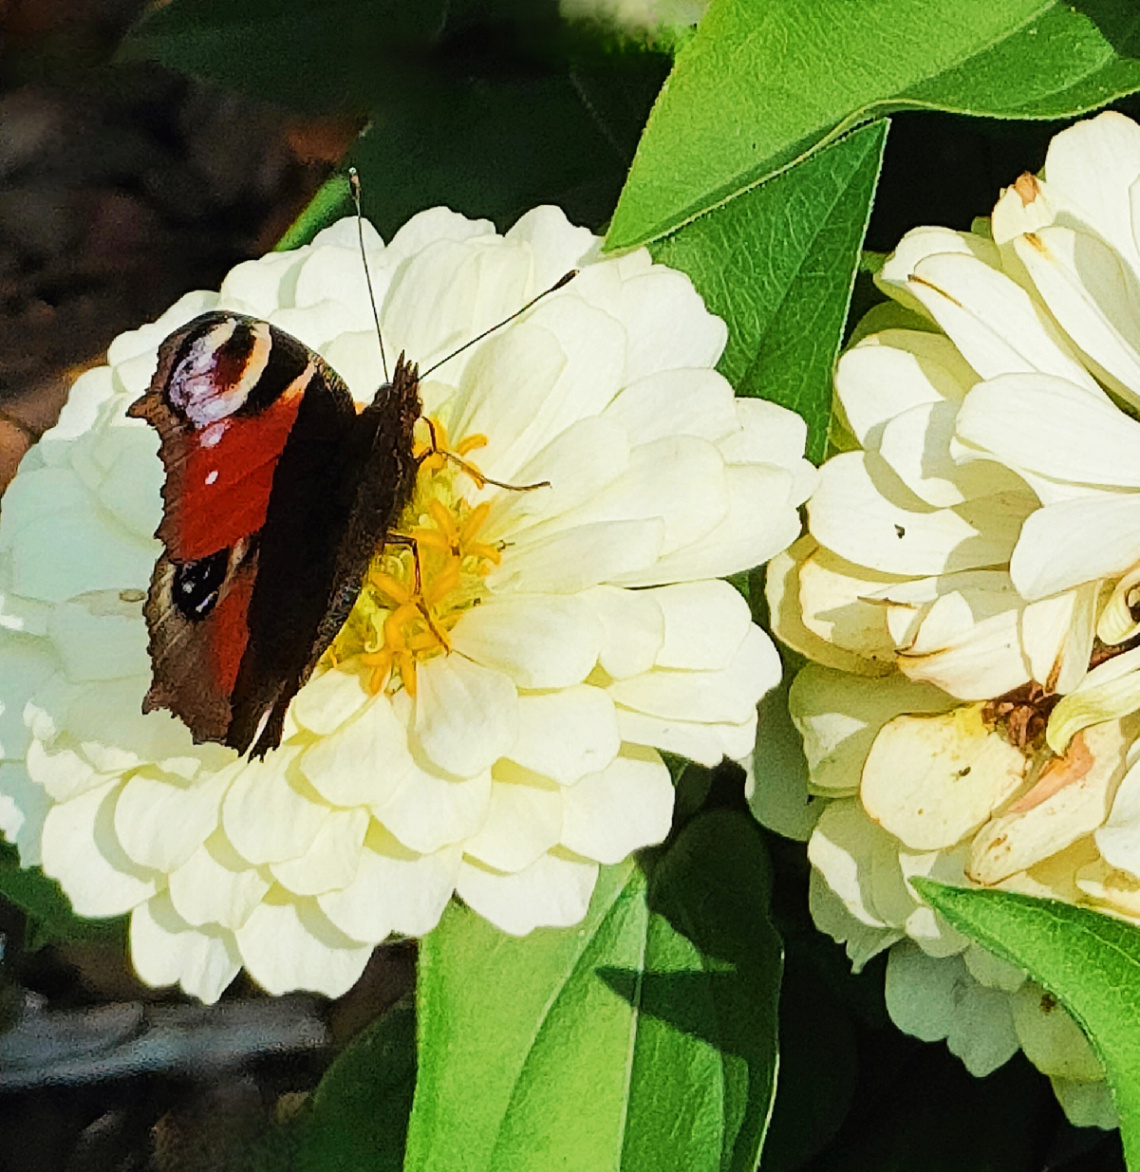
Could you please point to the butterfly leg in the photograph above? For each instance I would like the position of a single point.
(480, 478)
(394, 537)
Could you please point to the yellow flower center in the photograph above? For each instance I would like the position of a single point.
(430, 570)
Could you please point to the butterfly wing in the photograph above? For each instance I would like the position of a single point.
(257, 441)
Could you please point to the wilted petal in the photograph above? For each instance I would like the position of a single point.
(968, 643)
(841, 849)
(1070, 799)
(861, 941)
(1052, 1041)
(838, 604)
(1118, 839)
(931, 780)
(840, 715)
(789, 623)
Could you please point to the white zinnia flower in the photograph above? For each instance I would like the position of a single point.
(969, 593)
(505, 770)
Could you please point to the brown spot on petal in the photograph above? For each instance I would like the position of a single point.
(1027, 187)
(1103, 652)
(916, 280)
(1022, 714)
(1035, 241)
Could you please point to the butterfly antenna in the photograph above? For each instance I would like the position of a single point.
(565, 279)
(354, 183)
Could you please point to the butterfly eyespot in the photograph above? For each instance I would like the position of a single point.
(197, 584)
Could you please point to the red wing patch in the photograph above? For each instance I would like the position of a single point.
(219, 479)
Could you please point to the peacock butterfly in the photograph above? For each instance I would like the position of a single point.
(277, 495)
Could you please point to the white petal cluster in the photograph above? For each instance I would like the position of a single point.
(525, 755)
(970, 596)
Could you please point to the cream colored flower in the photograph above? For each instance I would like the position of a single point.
(503, 754)
(969, 591)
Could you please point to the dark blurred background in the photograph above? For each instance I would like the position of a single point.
(121, 187)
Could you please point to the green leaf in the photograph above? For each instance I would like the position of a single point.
(492, 150)
(642, 1039)
(307, 54)
(1088, 961)
(49, 915)
(358, 1115)
(333, 200)
(762, 85)
(778, 264)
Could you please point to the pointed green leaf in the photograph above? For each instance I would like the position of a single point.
(761, 85)
(1088, 961)
(778, 264)
(642, 1039)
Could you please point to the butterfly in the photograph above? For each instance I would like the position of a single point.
(278, 494)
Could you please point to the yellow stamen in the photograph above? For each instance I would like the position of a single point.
(475, 521)
(429, 574)
(386, 584)
(407, 667)
(482, 550)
